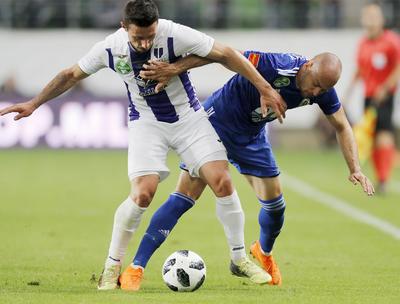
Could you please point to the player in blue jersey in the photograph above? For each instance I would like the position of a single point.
(234, 112)
(160, 121)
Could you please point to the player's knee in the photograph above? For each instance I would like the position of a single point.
(222, 185)
(276, 191)
(273, 188)
(143, 198)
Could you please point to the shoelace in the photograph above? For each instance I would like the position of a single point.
(249, 265)
(111, 272)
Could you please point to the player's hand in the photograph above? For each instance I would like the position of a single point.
(360, 178)
(159, 71)
(23, 109)
(274, 100)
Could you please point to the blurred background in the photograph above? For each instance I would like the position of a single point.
(63, 170)
(40, 37)
(224, 14)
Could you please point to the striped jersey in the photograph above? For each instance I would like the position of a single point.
(172, 41)
(237, 103)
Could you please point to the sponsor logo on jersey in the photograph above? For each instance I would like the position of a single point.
(305, 102)
(123, 67)
(148, 87)
(281, 82)
(254, 59)
(256, 115)
(144, 83)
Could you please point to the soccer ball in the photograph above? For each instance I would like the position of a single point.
(184, 270)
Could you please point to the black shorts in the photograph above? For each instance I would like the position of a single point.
(385, 113)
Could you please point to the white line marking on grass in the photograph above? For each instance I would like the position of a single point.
(341, 206)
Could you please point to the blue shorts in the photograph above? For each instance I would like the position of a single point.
(250, 154)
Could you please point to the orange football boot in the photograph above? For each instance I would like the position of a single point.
(267, 262)
(131, 278)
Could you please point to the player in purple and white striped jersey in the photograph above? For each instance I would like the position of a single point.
(160, 120)
(171, 41)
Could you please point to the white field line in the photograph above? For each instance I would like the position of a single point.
(341, 206)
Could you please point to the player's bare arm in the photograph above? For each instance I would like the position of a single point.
(236, 62)
(348, 146)
(64, 80)
(230, 58)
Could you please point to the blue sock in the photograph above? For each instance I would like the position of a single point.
(161, 224)
(271, 219)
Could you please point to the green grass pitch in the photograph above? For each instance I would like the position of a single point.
(56, 213)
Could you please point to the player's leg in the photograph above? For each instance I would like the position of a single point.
(188, 190)
(129, 213)
(126, 220)
(271, 215)
(231, 216)
(384, 151)
(146, 167)
(161, 224)
(205, 156)
(253, 157)
(271, 219)
(228, 207)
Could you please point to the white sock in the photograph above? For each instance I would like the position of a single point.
(126, 220)
(231, 216)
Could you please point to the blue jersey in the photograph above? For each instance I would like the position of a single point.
(237, 103)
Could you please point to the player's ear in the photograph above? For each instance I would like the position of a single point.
(123, 25)
(309, 64)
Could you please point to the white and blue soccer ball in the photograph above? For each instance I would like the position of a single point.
(184, 270)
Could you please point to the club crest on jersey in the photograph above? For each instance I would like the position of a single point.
(158, 52)
(281, 82)
(123, 67)
(254, 59)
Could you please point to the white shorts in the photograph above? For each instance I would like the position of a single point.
(193, 138)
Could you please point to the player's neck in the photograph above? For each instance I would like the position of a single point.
(298, 77)
(375, 34)
(138, 51)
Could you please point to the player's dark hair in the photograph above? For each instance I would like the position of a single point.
(141, 13)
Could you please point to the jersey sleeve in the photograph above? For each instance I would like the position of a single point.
(95, 59)
(329, 102)
(191, 41)
(262, 63)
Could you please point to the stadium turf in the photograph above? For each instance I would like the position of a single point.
(56, 213)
